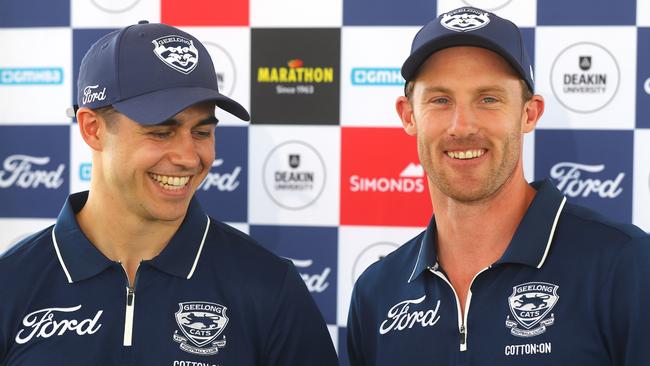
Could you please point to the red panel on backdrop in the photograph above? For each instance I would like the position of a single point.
(204, 12)
(382, 181)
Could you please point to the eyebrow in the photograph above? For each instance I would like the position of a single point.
(492, 88)
(436, 89)
(483, 89)
(174, 122)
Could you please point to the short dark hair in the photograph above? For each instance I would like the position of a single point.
(526, 93)
(108, 113)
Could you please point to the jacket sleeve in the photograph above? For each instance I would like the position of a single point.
(355, 332)
(298, 335)
(625, 304)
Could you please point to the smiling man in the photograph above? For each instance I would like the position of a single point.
(134, 272)
(549, 283)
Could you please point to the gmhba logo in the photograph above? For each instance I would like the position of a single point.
(376, 76)
(31, 76)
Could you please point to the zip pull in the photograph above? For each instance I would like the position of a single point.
(463, 338)
(128, 317)
(130, 294)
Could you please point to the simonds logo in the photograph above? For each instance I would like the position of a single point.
(570, 180)
(31, 76)
(18, 170)
(411, 179)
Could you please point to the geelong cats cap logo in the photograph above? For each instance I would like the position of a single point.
(177, 52)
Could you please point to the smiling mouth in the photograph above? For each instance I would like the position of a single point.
(170, 182)
(465, 154)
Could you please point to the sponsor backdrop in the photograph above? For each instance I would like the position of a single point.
(324, 175)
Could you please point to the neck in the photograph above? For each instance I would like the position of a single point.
(474, 235)
(121, 235)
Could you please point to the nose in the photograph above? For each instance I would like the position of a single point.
(463, 122)
(184, 151)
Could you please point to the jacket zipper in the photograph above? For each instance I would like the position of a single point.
(462, 317)
(130, 309)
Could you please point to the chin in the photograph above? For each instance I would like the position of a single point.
(167, 212)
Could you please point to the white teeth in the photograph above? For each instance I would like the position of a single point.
(467, 154)
(170, 183)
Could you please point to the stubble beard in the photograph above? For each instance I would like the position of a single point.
(492, 183)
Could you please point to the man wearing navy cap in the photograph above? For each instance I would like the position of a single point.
(134, 272)
(506, 273)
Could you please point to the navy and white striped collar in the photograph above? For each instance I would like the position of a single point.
(529, 245)
(80, 259)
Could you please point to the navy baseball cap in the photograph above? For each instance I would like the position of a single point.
(150, 72)
(470, 26)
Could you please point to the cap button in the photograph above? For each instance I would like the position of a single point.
(143, 22)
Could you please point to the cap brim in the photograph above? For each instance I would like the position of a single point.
(159, 106)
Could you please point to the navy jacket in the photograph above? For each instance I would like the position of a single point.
(211, 297)
(571, 289)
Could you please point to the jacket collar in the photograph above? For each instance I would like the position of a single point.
(81, 260)
(531, 242)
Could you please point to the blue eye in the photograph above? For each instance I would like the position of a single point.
(440, 101)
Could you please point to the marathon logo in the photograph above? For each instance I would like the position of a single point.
(31, 76)
(295, 72)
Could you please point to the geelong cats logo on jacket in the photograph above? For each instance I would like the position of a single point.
(200, 324)
(530, 305)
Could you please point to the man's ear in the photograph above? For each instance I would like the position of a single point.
(90, 125)
(533, 110)
(405, 113)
